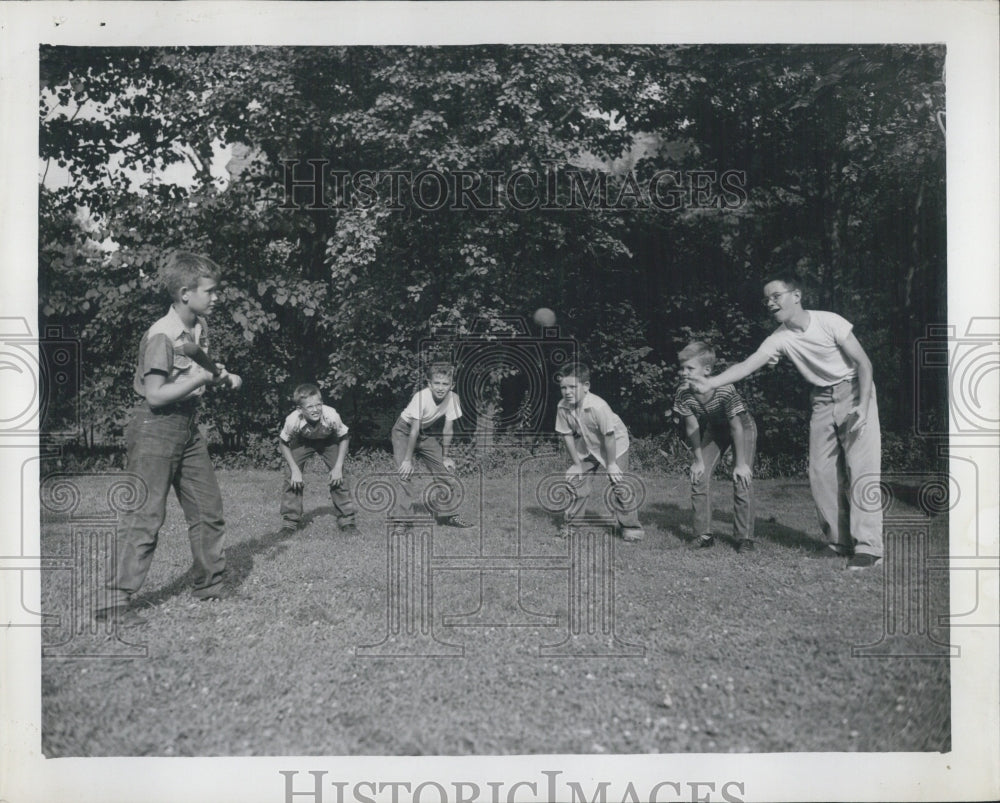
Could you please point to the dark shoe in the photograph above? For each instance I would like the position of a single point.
(704, 541)
(633, 533)
(840, 550)
(745, 545)
(863, 561)
(456, 521)
(349, 527)
(122, 616)
(287, 529)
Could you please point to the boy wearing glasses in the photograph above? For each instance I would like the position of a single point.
(845, 441)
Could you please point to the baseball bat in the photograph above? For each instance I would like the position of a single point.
(197, 353)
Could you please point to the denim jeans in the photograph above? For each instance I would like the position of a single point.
(713, 446)
(291, 501)
(167, 450)
(431, 453)
(583, 486)
(838, 460)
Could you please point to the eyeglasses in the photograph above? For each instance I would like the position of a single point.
(775, 297)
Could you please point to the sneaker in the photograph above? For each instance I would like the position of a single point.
(863, 561)
(456, 521)
(121, 615)
(287, 529)
(745, 545)
(704, 541)
(633, 534)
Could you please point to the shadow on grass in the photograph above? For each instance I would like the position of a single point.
(239, 560)
(676, 520)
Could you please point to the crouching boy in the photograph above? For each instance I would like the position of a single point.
(596, 440)
(314, 428)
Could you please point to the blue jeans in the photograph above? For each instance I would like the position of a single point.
(167, 450)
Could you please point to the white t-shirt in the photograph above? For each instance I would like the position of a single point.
(815, 351)
(589, 424)
(298, 426)
(423, 408)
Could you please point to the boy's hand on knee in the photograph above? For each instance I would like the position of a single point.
(573, 472)
(336, 477)
(449, 464)
(614, 472)
(296, 481)
(406, 469)
(697, 470)
(742, 475)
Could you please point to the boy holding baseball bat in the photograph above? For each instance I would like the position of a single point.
(165, 445)
(713, 421)
(313, 428)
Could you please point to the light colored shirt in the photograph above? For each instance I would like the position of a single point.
(423, 408)
(160, 351)
(815, 351)
(297, 426)
(588, 424)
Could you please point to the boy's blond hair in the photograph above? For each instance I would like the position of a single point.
(445, 369)
(697, 350)
(184, 269)
(304, 391)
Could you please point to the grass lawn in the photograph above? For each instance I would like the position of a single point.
(732, 653)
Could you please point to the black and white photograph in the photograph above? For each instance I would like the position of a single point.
(500, 402)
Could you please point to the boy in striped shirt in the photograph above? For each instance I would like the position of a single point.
(714, 421)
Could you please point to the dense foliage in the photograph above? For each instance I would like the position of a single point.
(842, 149)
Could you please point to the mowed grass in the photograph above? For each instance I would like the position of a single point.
(735, 653)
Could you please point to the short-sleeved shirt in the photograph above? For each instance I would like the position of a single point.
(588, 424)
(160, 351)
(298, 427)
(424, 409)
(815, 351)
(725, 403)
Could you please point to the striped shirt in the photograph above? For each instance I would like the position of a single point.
(715, 411)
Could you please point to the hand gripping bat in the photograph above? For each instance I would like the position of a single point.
(197, 353)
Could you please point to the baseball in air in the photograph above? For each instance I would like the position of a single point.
(545, 317)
